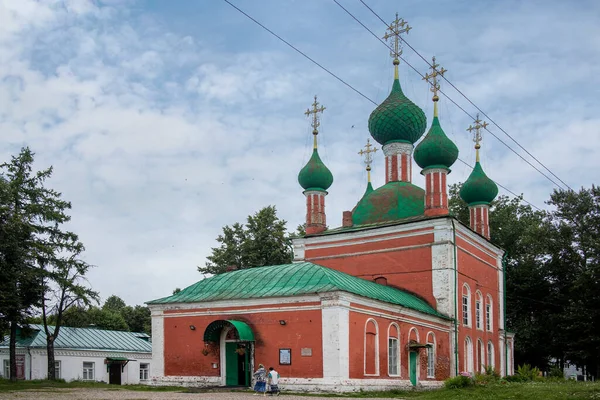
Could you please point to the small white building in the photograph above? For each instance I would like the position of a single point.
(86, 354)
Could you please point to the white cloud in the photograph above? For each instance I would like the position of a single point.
(161, 135)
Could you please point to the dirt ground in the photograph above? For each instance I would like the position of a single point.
(108, 394)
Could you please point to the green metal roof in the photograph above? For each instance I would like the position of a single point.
(397, 119)
(478, 188)
(436, 149)
(86, 339)
(315, 174)
(213, 330)
(393, 201)
(291, 280)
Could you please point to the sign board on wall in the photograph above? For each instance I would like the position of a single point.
(285, 356)
(306, 352)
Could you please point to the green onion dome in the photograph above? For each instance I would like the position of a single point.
(391, 202)
(315, 175)
(397, 119)
(436, 150)
(478, 189)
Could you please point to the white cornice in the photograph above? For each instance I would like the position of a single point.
(277, 301)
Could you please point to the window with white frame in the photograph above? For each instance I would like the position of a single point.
(490, 354)
(88, 371)
(371, 348)
(489, 314)
(466, 305)
(430, 355)
(6, 369)
(393, 350)
(144, 372)
(57, 369)
(478, 310)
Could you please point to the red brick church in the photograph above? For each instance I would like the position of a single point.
(401, 295)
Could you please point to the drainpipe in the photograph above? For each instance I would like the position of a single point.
(504, 313)
(455, 301)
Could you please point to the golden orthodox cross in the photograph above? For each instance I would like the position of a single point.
(432, 78)
(315, 111)
(477, 135)
(392, 34)
(368, 157)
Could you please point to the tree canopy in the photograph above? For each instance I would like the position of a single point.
(552, 274)
(262, 240)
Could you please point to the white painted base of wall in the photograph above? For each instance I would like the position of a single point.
(304, 384)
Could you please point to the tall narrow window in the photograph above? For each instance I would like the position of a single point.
(468, 365)
(478, 310)
(371, 348)
(57, 369)
(480, 356)
(144, 372)
(489, 313)
(88, 371)
(490, 354)
(6, 369)
(466, 305)
(393, 350)
(430, 355)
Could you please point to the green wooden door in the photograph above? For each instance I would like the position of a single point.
(412, 367)
(231, 364)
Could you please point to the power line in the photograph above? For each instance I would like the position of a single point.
(469, 100)
(356, 90)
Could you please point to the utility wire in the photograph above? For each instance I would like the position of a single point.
(469, 100)
(356, 90)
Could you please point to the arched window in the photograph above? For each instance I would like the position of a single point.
(478, 310)
(490, 354)
(371, 348)
(431, 355)
(480, 356)
(466, 305)
(393, 350)
(489, 313)
(468, 365)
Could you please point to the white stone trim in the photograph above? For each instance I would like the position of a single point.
(158, 344)
(400, 319)
(434, 343)
(442, 269)
(413, 329)
(477, 240)
(185, 381)
(242, 311)
(314, 193)
(394, 148)
(376, 348)
(335, 322)
(223, 355)
(235, 303)
(399, 338)
(500, 294)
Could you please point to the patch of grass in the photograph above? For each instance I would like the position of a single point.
(45, 385)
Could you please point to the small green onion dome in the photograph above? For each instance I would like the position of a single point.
(436, 150)
(391, 202)
(478, 189)
(397, 119)
(315, 175)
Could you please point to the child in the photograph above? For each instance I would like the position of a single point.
(273, 379)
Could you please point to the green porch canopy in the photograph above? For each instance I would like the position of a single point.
(213, 330)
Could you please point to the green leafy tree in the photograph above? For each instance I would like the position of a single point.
(114, 303)
(263, 240)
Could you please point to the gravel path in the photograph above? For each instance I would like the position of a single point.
(108, 394)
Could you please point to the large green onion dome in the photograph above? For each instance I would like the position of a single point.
(315, 175)
(397, 119)
(436, 150)
(478, 189)
(391, 202)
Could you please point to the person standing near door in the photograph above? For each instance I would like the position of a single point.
(273, 380)
(261, 380)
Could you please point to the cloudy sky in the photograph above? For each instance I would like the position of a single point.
(165, 120)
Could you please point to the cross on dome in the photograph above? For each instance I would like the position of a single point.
(367, 152)
(315, 115)
(432, 79)
(476, 130)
